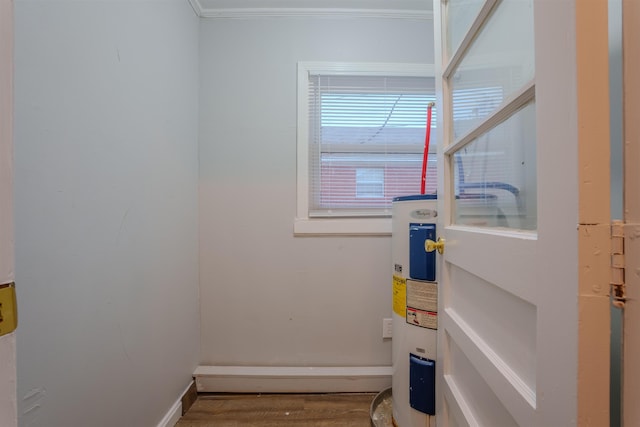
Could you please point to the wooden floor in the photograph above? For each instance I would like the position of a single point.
(279, 410)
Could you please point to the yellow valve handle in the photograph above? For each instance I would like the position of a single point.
(431, 246)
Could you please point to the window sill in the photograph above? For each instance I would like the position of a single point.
(342, 227)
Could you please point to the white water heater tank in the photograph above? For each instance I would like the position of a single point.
(415, 311)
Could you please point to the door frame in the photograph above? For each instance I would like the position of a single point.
(631, 144)
(8, 400)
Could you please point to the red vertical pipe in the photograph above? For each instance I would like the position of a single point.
(423, 181)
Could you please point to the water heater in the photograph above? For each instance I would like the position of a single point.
(415, 311)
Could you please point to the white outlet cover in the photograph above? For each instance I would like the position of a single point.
(387, 328)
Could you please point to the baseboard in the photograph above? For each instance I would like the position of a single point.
(175, 412)
(189, 397)
(289, 379)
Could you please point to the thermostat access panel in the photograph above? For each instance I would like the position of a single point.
(422, 264)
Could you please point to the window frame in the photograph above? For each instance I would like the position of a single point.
(304, 224)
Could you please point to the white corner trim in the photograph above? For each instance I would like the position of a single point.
(172, 416)
(197, 7)
(292, 379)
(239, 13)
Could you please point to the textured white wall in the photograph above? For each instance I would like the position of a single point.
(106, 110)
(8, 407)
(267, 297)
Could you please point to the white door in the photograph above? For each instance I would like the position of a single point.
(8, 414)
(631, 336)
(524, 306)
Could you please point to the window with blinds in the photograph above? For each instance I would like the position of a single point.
(366, 136)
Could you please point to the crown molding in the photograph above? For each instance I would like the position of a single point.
(243, 13)
(318, 12)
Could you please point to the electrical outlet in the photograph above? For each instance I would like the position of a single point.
(387, 328)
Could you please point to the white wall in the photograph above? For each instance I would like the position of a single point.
(268, 298)
(106, 110)
(8, 415)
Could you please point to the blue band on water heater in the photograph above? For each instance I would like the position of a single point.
(422, 384)
(422, 264)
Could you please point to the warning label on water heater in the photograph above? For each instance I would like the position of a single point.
(399, 295)
(422, 304)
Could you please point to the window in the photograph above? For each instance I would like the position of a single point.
(361, 134)
(369, 183)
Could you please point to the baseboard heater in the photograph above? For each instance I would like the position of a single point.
(292, 379)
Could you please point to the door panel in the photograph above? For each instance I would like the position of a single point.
(524, 302)
(473, 387)
(473, 256)
(462, 13)
(495, 175)
(493, 67)
(507, 333)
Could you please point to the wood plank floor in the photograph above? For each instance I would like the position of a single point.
(279, 410)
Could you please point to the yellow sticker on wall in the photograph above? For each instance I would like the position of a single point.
(400, 296)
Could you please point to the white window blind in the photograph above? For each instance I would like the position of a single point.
(366, 142)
